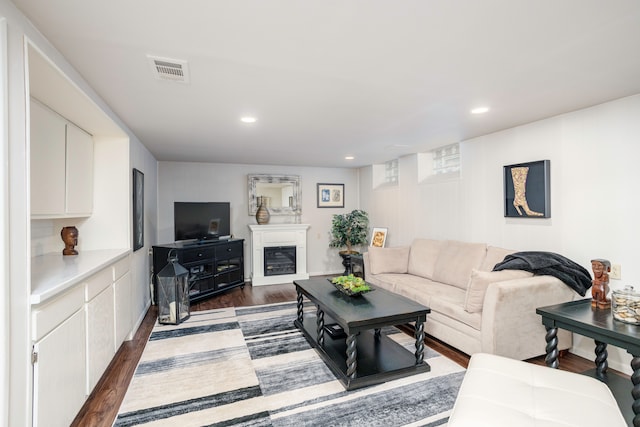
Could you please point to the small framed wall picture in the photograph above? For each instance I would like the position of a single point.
(378, 237)
(330, 195)
(138, 209)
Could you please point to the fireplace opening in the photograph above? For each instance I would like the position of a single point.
(279, 260)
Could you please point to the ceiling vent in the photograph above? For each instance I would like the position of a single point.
(175, 70)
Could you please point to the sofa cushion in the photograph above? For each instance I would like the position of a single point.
(494, 256)
(419, 289)
(480, 281)
(388, 260)
(451, 311)
(384, 281)
(456, 260)
(423, 257)
(415, 288)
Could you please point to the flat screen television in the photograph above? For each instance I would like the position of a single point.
(201, 220)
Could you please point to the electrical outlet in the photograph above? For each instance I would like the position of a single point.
(616, 271)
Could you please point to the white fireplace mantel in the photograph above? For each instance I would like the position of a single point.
(271, 235)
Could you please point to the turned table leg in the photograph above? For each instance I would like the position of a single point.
(601, 360)
(419, 332)
(299, 307)
(635, 391)
(551, 359)
(352, 356)
(320, 327)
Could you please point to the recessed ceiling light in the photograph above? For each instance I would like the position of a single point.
(248, 120)
(349, 158)
(480, 110)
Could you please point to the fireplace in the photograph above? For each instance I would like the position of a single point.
(278, 253)
(279, 260)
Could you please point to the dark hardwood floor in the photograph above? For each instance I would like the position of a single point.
(102, 405)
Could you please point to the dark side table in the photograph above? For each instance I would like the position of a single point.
(357, 265)
(597, 323)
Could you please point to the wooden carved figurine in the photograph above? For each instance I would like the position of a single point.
(70, 238)
(600, 283)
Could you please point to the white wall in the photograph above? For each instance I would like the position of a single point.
(594, 195)
(4, 228)
(144, 161)
(207, 182)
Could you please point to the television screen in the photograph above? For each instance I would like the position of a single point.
(201, 220)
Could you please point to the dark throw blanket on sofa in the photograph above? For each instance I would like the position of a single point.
(548, 263)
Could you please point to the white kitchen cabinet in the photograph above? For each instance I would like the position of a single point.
(123, 308)
(79, 172)
(59, 389)
(100, 336)
(75, 330)
(61, 166)
(48, 154)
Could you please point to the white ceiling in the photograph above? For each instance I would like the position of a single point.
(376, 79)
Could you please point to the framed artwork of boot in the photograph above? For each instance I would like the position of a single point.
(526, 190)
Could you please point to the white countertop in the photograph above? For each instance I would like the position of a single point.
(54, 273)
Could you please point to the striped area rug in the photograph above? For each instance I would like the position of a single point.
(250, 366)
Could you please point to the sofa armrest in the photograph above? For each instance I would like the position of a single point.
(510, 325)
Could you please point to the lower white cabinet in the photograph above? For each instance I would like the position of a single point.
(75, 336)
(59, 380)
(123, 308)
(100, 336)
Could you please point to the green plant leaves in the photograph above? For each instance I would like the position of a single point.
(349, 229)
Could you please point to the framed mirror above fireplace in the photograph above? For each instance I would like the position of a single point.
(281, 191)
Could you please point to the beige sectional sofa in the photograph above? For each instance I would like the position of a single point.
(473, 308)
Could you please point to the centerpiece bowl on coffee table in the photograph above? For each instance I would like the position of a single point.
(350, 285)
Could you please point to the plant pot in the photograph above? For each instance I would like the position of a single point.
(346, 260)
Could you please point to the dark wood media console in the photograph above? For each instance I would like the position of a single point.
(214, 266)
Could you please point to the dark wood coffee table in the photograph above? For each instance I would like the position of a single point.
(365, 356)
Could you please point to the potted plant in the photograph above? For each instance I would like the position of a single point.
(349, 230)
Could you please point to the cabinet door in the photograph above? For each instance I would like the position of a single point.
(100, 336)
(59, 379)
(123, 310)
(79, 171)
(47, 161)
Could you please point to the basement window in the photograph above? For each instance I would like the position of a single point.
(391, 172)
(385, 174)
(440, 164)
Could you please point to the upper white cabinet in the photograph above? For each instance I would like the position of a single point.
(79, 172)
(48, 135)
(61, 166)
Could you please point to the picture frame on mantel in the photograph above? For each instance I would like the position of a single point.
(138, 209)
(330, 195)
(527, 190)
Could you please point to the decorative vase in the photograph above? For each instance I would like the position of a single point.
(262, 214)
